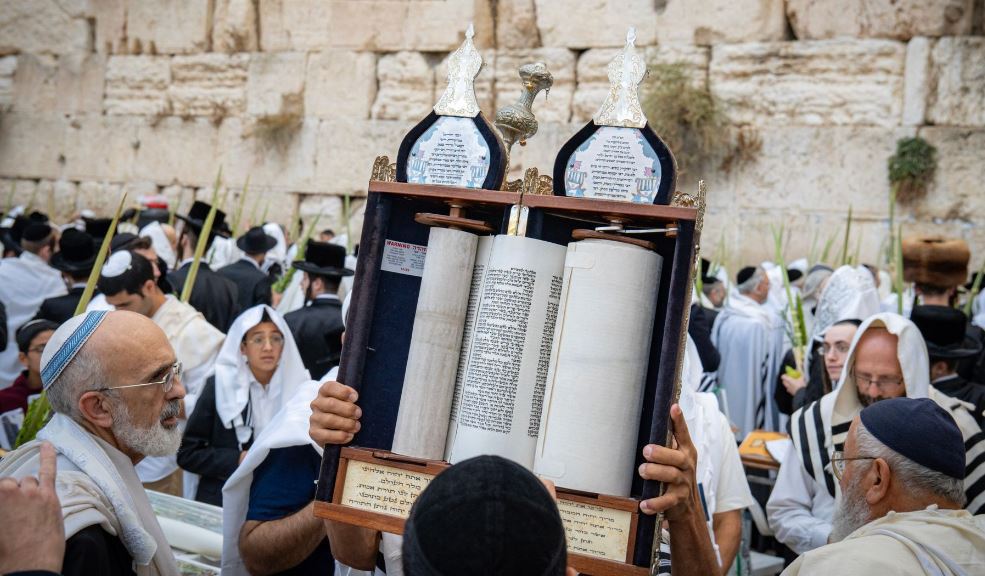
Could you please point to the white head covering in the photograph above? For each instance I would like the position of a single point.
(277, 254)
(159, 241)
(850, 294)
(232, 375)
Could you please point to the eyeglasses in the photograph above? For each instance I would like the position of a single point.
(275, 340)
(167, 382)
(838, 462)
(865, 381)
(37, 349)
(839, 347)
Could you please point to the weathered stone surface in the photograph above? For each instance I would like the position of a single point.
(347, 149)
(31, 146)
(381, 25)
(111, 25)
(8, 66)
(516, 24)
(179, 150)
(68, 85)
(596, 23)
(406, 87)
(915, 81)
(556, 105)
(23, 190)
(137, 85)
(235, 26)
(169, 26)
(100, 197)
(280, 158)
(818, 82)
(59, 198)
(898, 19)
(329, 207)
(208, 84)
(956, 82)
(101, 147)
(541, 150)
(956, 192)
(35, 84)
(721, 21)
(593, 80)
(43, 27)
(340, 84)
(275, 89)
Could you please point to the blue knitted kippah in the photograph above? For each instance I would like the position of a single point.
(920, 430)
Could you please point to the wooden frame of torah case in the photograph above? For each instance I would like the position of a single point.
(368, 485)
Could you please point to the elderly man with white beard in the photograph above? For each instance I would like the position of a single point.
(901, 477)
(114, 385)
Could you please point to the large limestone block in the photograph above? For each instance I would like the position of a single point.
(101, 147)
(956, 191)
(100, 197)
(721, 21)
(43, 27)
(593, 79)
(176, 150)
(169, 26)
(35, 84)
(276, 157)
(817, 82)
(8, 67)
(275, 88)
(898, 19)
(59, 198)
(541, 150)
(328, 206)
(516, 24)
(110, 18)
(235, 26)
(375, 25)
(555, 106)
(137, 85)
(32, 145)
(340, 84)
(208, 84)
(956, 82)
(406, 87)
(71, 84)
(596, 23)
(347, 149)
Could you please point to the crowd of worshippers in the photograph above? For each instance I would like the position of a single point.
(230, 399)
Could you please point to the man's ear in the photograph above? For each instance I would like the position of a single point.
(148, 287)
(878, 477)
(94, 407)
(22, 358)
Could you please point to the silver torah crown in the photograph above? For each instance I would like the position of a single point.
(622, 106)
(463, 66)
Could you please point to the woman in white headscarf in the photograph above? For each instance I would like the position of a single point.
(258, 369)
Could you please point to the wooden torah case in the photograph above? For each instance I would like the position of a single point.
(368, 485)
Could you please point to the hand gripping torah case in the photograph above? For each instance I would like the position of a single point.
(482, 334)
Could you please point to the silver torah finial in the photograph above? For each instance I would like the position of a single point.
(516, 122)
(622, 105)
(463, 66)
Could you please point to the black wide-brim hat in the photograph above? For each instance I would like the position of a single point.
(944, 330)
(197, 215)
(256, 241)
(324, 259)
(77, 252)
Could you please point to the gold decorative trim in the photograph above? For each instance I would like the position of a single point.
(536, 184)
(383, 170)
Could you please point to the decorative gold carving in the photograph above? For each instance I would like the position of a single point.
(463, 66)
(513, 186)
(516, 122)
(383, 170)
(536, 184)
(683, 200)
(622, 105)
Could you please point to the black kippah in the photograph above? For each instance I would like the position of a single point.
(28, 331)
(35, 232)
(485, 516)
(745, 274)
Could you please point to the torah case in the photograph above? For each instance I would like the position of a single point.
(382, 313)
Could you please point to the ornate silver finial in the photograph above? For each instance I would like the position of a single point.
(622, 105)
(463, 66)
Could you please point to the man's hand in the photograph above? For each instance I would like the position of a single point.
(675, 467)
(793, 385)
(32, 532)
(334, 414)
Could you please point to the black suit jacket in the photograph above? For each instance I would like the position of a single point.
(215, 296)
(60, 308)
(699, 328)
(254, 286)
(317, 329)
(970, 392)
(208, 448)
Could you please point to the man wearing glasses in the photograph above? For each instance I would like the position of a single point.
(115, 388)
(888, 359)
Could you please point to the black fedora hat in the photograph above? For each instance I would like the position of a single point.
(945, 331)
(77, 252)
(199, 212)
(324, 259)
(256, 241)
(98, 227)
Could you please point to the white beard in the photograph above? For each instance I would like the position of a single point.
(157, 440)
(852, 513)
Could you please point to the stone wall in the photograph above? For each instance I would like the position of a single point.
(299, 96)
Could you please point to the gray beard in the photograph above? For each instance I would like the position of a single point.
(852, 513)
(154, 441)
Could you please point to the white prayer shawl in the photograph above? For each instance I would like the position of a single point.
(97, 485)
(25, 282)
(233, 376)
(850, 293)
(978, 310)
(159, 241)
(930, 542)
(277, 254)
(223, 253)
(293, 298)
(748, 338)
(889, 303)
(822, 426)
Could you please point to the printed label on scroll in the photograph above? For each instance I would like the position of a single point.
(403, 258)
(382, 489)
(614, 164)
(596, 531)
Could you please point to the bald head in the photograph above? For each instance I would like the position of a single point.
(877, 370)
